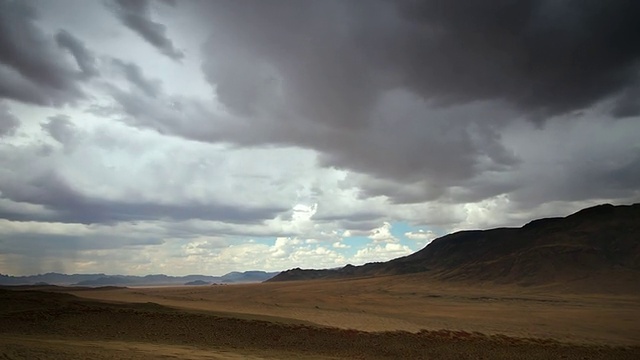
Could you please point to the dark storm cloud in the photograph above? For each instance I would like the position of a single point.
(31, 69)
(8, 122)
(69, 205)
(628, 103)
(301, 51)
(85, 59)
(333, 58)
(134, 74)
(414, 92)
(546, 57)
(136, 15)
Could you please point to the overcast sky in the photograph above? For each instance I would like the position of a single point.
(176, 137)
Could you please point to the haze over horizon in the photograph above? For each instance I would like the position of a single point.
(204, 137)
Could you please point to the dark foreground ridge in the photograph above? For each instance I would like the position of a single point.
(600, 244)
(33, 318)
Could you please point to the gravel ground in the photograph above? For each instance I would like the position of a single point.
(38, 325)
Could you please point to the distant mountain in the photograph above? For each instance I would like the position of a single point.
(49, 278)
(602, 242)
(105, 281)
(197, 282)
(247, 276)
(129, 280)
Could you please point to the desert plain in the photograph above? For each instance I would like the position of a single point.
(385, 317)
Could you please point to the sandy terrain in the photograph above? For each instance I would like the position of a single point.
(411, 304)
(381, 318)
(29, 347)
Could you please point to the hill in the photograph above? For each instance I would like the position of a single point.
(247, 276)
(129, 280)
(601, 243)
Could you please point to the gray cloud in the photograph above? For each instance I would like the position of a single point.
(35, 244)
(169, 2)
(134, 74)
(32, 251)
(413, 96)
(85, 59)
(135, 14)
(31, 69)
(61, 128)
(8, 122)
(361, 220)
(352, 216)
(416, 93)
(573, 159)
(544, 57)
(166, 115)
(54, 193)
(611, 179)
(627, 104)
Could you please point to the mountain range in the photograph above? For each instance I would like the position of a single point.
(131, 280)
(597, 247)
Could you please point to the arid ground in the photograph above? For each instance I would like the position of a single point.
(375, 318)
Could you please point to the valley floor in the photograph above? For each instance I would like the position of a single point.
(376, 318)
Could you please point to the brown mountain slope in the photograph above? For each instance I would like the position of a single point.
(600, 243)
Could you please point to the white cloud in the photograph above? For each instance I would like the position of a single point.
(421, 235)
(380, 252)
(285, 253)
(383, 234)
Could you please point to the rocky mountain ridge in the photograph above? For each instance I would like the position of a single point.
(601, 242)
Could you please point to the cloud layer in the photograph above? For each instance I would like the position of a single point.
(185, 137)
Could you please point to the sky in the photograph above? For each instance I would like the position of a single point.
(203, 137)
